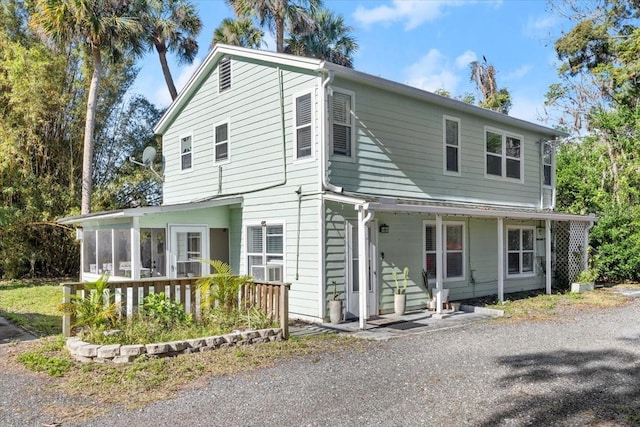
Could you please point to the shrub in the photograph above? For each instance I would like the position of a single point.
(167, 313)
(97, 310)
(221, 288)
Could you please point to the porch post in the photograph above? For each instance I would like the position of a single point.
(501, 260)
(363, 269)
(135, 249)
(547, 254)
(439, 264)
(585, 247)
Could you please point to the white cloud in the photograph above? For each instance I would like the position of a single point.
(432, 72)
(540, 27)
(526, 107)
(463, 61)
(412, 12)
(161, 96)
(519, 73)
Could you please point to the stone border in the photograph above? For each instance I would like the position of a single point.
(482, 310)
(116, 353)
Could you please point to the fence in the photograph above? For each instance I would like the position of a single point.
(270, 297)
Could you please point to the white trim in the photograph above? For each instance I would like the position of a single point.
(354, 143)
(343, 199)
(465, 250)
(478, 212)
(228, 142)
(180, 152)
(503, 155)
(172, 261)
(521, 251)
(311, 125)
(446, 118)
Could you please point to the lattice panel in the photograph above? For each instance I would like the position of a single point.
(569, 242)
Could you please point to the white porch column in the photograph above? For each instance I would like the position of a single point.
(439, 263)
(501, 259)
(135, 249)
(547, 254)
(585, 247)
(363, 267)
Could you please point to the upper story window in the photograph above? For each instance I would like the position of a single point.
(265, 252)
(503, 154)
(303, 110)
(451, 133)
(185, 153)
(342, 123)
(224, 74)
(453, 247)
(221, 142)
(520, 251)
(547, 163)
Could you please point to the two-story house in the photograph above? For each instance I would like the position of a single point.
(298, 170)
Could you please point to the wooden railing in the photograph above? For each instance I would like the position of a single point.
(272, 298)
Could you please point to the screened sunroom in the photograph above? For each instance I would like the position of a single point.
(160, 241)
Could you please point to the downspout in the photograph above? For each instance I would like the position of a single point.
(324, 146)
(541, 172)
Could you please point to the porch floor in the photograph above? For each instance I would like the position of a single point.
(390, 326)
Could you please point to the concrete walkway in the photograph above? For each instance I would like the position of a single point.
(392, 326)
(11, 333)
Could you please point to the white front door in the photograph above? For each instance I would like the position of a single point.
(353, 281)
(189, 245)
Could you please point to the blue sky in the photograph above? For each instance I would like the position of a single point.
(423, 43)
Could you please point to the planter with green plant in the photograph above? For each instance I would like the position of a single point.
(400, 295)
(585, 281)
(335, 306)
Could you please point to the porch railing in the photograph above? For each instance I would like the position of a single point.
(272, 298)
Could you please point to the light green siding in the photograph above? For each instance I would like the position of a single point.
(217, 217)
(252, 109)
(400, 153)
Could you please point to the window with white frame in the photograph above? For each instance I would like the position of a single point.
(520, 251)
(185, 153)
(224, 74)
(265, 252)
(451, 145)
(342, 124)
(303, 129)
(453, 235)
(547, 163)
(221, 142)
(503, 154)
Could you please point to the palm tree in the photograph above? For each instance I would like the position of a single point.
(100, 26)
(238, 32)
(296, 15)
(171, 26)
(331, 40)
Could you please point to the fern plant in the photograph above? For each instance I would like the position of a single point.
(97, 309)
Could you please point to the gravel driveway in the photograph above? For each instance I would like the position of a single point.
(580, 369)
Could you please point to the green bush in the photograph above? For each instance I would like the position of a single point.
(159, 308)
(221, 288)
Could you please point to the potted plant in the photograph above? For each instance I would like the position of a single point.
(400, 296)
(335, 306)
(585, 281)
(431, 299)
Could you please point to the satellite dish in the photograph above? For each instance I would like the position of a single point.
(148, 156)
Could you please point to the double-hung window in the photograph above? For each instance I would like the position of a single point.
(303, 109)
(453, 249)
(547, 164)
(342, 123)
(221, 142)
(224, 74)
(185, 153)
(451, 133)
(265, 252)
(503, 154)
(520, 251)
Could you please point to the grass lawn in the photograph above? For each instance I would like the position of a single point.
(32, 305)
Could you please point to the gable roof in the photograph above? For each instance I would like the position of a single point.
(325, 67)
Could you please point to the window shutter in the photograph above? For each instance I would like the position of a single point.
(303, 125)
(224, 74)
(341, 115)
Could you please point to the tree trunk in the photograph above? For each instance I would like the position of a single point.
(87, 157)
(162, 53)
(279, 35)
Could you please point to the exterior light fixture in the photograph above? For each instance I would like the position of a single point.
(384, 228)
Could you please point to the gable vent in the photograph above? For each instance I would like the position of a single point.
(224, 74)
